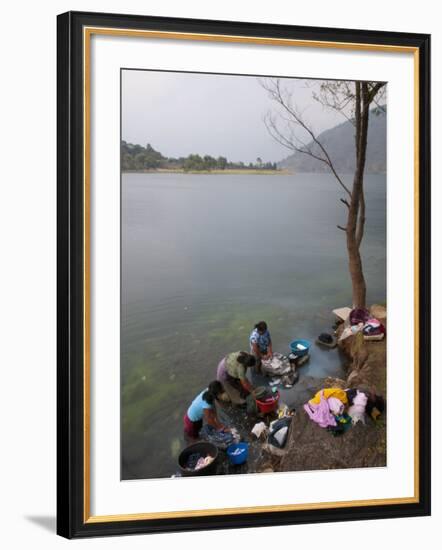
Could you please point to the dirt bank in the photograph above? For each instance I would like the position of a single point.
(310, 447)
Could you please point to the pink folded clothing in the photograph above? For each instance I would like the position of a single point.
(335, 405)
(320, 413)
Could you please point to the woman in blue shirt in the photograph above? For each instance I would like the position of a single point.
(203, 407)
(261, 342)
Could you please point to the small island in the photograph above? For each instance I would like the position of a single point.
(136, 158)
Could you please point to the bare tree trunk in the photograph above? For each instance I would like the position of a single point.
(356, 212)
(359, 289)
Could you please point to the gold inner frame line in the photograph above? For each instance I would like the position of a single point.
(87, 33)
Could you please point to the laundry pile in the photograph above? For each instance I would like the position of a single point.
(196, 461)
(281, 370)
(222, 439)
(375, 405)
(337, 409)
(360, 320)
(373, 329)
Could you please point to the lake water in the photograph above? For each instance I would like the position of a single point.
(205, 257)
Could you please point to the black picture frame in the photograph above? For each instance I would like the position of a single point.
(71, 497)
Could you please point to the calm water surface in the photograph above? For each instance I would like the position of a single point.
(204, 257)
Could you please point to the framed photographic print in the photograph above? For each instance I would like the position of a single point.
(243, 274)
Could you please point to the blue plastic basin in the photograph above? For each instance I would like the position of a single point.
(300, 352)
(238, 453)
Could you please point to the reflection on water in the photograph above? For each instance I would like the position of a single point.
(205, 257)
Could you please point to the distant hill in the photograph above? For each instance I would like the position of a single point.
(340, 145)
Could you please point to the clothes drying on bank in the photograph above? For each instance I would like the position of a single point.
(320, 412)
(330, 392)
(336, 406)
(357, 410)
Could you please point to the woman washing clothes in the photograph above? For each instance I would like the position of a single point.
(261, 342)
(232, 373)
(203, 408)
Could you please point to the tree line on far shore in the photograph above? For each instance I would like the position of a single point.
(137, 157)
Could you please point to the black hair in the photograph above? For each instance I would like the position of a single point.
(214, 390)
(261, 326)
(246, 359)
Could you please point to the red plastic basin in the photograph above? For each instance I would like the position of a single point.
(269, 405)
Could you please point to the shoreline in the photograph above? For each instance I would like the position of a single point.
(228, 171)
(232, 171)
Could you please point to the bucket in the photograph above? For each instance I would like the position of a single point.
(268, 405)
(204, 448)
(300, 352)
(238, 453)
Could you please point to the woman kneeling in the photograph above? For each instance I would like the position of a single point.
(203, 408)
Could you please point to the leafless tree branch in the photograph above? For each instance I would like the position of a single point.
(284, 101)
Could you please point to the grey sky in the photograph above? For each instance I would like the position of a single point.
(183, 113)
